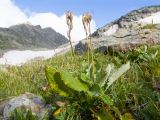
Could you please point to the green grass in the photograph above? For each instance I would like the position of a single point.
(18, 114)
(149, 26)
(18, 80)
(133, 93)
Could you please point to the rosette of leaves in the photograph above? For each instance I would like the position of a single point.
(84, 93)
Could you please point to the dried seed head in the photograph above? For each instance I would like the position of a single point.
(69, 20)
(86, 20)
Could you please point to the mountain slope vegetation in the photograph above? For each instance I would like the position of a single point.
(116, 84)
(26, 36)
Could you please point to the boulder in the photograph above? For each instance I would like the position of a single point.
(24, 102)
(80, 48)
(125, 33)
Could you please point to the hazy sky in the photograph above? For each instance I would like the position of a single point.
(103, 11)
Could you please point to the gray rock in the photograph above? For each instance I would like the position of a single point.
(25, 102)
(80, 48)
(127, 35)
(129, 20)
(2, 105)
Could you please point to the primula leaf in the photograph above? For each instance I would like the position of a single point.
(84, 77)
(116, 110)
(104, 80)
(104, 114)
(95, 90)
(52, 78)
(73, 82)
(106, 99)
(127, 116)
(118, 73)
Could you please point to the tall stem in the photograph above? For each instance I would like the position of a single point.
(86, 19)
(72, 51)
(89, 76)
(69, 18)
(91, 47)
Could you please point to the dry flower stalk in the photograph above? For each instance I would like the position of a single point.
(86, 20)
(69, 21)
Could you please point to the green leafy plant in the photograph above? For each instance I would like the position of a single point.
(23, 115)
(149, 26)
(83, 93)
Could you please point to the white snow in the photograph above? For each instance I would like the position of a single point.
(155, 18)
(16, 57)
(111, 30)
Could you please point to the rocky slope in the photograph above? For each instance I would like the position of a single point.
(26, 36)
(138, 27)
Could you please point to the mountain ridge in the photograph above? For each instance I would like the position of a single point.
(132, 16)
(141, 26)
(25, 36)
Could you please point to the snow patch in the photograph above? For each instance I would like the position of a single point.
(154, 18)
(111, 30)
(16, 57)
